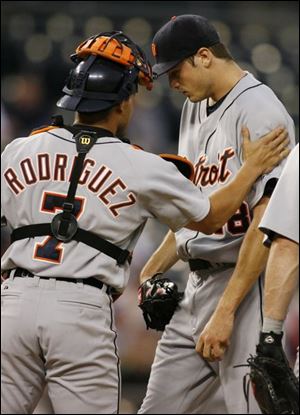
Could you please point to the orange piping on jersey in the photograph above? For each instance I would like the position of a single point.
(182, 160)
(136, 147)
(43, 130)
(154, 49)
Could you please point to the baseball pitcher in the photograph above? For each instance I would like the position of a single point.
(217, 324)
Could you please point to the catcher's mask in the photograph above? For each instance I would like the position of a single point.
(109, 68)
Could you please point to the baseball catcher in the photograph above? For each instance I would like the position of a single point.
(275, 386)
(158, 298)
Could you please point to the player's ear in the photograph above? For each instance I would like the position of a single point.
(204, 56)
(122, 106)
(126, 105)
(119, 108)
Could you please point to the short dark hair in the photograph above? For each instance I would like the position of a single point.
(219, 50)
(94, 117)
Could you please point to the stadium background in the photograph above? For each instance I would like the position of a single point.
(37, 39)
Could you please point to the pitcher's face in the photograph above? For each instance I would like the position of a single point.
(191, 79)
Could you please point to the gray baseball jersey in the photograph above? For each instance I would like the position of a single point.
(282, 214)
(119, 189)
(213, 144)
(63, 332)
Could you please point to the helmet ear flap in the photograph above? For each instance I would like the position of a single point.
(75, 81)
(79, 75)
(131, 84)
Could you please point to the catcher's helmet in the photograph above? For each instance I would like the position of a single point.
(109, 68)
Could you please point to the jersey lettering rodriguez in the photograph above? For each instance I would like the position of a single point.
(95, 179)
(213, 143)
(120, 187)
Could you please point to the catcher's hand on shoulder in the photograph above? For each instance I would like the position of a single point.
(267, 151)
(158, 298)
(275, 386)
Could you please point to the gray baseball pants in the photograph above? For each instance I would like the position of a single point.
(181, 382)
(59, 333)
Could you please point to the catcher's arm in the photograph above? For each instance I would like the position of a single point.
(225, 201)
(264, 154)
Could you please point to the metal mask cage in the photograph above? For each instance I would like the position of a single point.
(119, 48)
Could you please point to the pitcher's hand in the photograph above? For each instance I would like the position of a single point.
(215, 337)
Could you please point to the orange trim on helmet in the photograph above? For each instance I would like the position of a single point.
(113, 49)
(43, 129)
(184, 165)
(107, 47)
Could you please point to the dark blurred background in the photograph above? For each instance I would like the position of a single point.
(37, 39)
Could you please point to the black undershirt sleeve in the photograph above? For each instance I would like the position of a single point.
(270, 186)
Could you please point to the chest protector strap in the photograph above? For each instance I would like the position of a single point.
(64, 226)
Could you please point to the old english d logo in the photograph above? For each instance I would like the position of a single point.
(85, 140)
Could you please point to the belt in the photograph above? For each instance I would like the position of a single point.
(21, 272)
(198, 264)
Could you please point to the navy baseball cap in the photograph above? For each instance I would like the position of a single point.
(180, 38)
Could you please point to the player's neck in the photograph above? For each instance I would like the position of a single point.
(108, 124)
(225, 79)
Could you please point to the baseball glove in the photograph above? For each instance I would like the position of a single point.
(158, 298)
(275, 386)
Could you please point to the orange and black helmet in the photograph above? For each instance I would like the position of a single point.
(109, 69)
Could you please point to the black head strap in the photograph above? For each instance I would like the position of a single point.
(64, 226)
